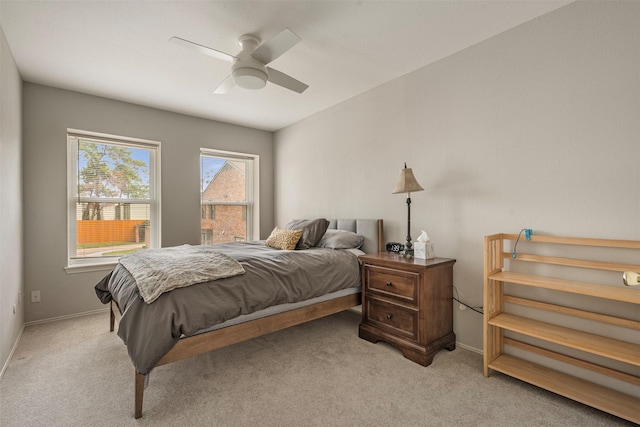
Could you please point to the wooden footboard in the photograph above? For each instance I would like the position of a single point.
(219, 338)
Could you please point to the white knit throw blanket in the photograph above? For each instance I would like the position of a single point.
(161, 270)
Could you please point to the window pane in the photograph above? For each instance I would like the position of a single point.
(225, 199)
(229, 225)
(112, 171)
(223, 180)
(114, 205)
(110, 236)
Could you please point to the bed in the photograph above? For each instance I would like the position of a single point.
(181, 323)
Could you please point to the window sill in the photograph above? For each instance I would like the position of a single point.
(88, 268)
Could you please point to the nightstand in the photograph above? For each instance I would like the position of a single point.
(408, 302)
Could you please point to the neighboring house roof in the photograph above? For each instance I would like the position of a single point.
(227, 184)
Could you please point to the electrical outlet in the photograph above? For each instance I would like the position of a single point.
(35, 296)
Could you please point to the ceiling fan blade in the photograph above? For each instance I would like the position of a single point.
(225, 86)
(276, 46)
(288, 82)
(202, 49)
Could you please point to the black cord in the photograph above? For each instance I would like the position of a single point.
(466, 305)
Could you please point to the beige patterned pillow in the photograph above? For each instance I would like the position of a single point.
(283, 239)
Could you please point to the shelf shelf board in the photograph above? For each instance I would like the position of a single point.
(604, 346)
(600, 291)
(603, 398)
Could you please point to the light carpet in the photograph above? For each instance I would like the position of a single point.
(76, 373)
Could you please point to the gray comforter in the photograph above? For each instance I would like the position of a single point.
(271, 277)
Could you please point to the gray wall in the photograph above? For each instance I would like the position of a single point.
(48, 112)
(10, 203)
(538, 127)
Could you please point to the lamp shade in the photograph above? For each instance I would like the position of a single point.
(407, 182)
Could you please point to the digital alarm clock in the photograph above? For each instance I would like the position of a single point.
(394, 247)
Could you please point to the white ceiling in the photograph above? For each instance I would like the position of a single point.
(120, 49)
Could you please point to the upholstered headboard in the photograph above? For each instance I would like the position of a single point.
(371, 229)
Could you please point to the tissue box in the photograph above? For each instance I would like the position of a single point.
(423, 250)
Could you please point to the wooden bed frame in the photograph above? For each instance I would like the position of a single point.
(208, 341)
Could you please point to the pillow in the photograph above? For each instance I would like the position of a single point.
(341, 239)
(312, 231)
(283, 239)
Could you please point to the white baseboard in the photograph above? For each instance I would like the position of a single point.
(468, 347)
(15, 345)
(69, 316)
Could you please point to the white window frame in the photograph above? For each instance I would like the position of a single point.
(252, 190)
(79, 265)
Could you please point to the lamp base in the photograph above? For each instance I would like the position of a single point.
(408, 249)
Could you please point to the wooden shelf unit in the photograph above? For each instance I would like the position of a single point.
(497, 321)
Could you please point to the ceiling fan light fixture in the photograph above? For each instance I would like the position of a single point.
(249, 78)
(249, 69)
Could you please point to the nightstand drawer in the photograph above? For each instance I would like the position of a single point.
(390, 282)
(398, 319)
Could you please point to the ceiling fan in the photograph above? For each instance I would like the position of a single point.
(249, 69)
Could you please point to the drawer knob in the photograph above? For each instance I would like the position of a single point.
(389, 284)
(389, 316)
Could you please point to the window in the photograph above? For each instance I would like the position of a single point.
(114, 197)
(228, 190)
(208, 211)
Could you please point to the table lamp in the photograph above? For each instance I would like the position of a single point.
(407, 184)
